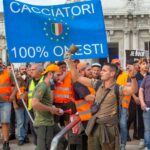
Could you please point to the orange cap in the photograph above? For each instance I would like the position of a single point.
(82, 65)
(51, 67)
(115, 61)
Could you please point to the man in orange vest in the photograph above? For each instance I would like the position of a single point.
(63, 93)
(84, 97)
(6, 82)
(122, 80)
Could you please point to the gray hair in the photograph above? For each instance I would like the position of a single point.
(21, 66)
(40, 67)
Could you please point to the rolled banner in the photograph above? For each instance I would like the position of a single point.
(73, 49)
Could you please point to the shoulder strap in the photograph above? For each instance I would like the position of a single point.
(104, 97)
(117, 92)
(117, 97)
(98, 85)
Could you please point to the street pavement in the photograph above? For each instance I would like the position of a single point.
(133, 145)
(14, 146)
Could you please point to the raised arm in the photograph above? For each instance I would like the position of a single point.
(75, 75)
(133, 87)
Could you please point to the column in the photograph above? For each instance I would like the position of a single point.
(126, 45)
(3, 54)
(126, 39)
(135, 39)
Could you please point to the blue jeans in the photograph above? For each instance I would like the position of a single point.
(22, 123)
(123, 125)
(5, 112)
(146, 119)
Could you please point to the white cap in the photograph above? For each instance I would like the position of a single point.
(96, 65)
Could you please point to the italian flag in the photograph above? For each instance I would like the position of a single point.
(56, 28)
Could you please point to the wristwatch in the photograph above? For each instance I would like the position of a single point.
(132, 77)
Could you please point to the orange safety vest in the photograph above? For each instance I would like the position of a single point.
(84, 107)
(5, 85)
(122, 80)
(63, 92)
(22, 90)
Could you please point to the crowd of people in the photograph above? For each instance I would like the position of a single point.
(55, 92)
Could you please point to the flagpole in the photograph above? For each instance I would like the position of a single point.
(108, 59)
(13, 72)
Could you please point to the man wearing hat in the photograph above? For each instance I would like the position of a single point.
(96, 69)
(44, 110)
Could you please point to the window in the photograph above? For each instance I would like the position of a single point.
(147, 46)
(113, 52)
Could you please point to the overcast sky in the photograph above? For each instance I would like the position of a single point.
(105, 3)
(37, 2)
(1, 4)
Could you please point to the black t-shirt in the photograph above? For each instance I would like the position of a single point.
(36, 82)
(29, 81)
(139, 78)
(80, 91)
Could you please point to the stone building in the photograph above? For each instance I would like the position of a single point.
(127, 27)
(2, 40)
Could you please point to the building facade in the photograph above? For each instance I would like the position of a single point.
(3, 49)
(127, 27)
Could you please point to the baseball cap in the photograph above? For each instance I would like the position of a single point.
(51, 67)
(96, 65)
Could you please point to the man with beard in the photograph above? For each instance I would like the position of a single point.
(84, 97)
(20, 111)
(63, 93)
(96, 69)
(44, 109)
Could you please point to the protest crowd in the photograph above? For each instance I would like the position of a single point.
(108, 100)
(56, 99)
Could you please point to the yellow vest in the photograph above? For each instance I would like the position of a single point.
(31, 89)
(122, 80)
